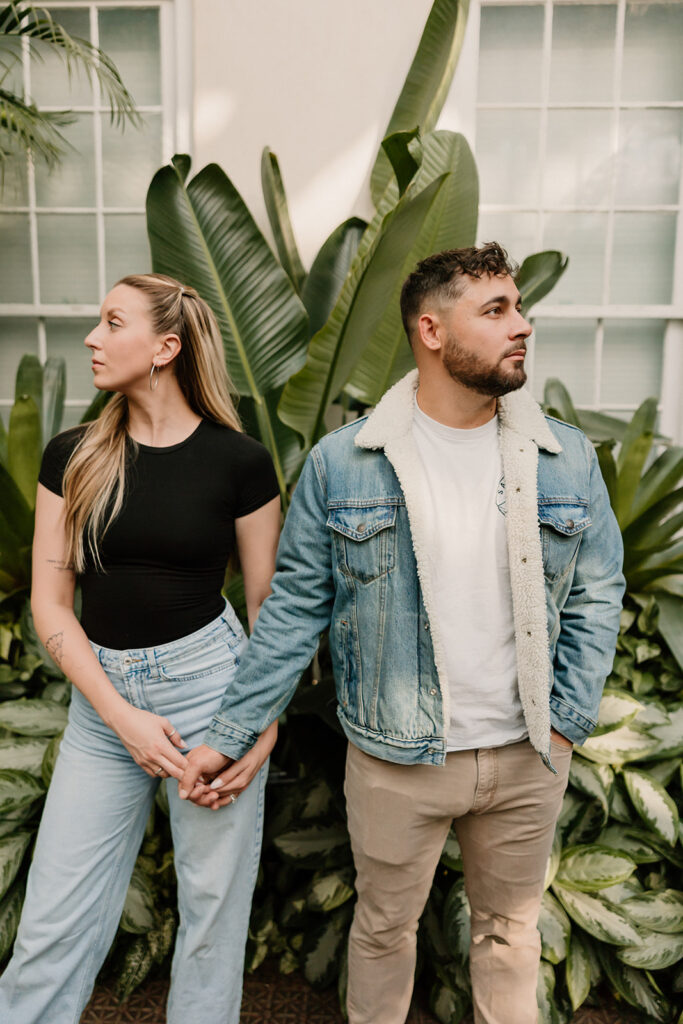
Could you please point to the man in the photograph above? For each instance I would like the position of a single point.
(470, 646)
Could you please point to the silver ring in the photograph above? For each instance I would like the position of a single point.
(169, 734)
(158, 770)
(233, 798)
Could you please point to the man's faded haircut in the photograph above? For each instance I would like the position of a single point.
(442, 276)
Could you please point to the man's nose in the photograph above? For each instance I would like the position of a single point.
(521, 326)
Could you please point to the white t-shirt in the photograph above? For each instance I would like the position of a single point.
(464, 505)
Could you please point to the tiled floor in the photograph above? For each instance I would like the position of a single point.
(270, 998)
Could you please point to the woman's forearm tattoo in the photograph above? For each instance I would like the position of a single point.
(53, 646)
(60, 566)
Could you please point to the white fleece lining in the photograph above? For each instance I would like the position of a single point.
(523, 429)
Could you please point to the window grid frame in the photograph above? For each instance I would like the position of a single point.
(671, 381)
(174, 110)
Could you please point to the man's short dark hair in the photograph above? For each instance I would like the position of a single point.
(442, 276)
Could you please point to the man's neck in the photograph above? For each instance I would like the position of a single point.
(450, 403)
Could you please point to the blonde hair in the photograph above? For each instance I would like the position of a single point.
(95, 475)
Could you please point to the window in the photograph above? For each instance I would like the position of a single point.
(68, 235)
(578, 141)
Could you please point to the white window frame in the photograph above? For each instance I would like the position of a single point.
(465, 114)
(175, 109)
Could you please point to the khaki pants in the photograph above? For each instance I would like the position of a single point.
(504, 803)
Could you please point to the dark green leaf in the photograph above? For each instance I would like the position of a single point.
(538, 275)
(635, 987)
(50, 759)
(329, 891)
(10, 912)
(12, 850)
(25, 446)
(54, 392)
(456, 922)
(329, 270)
(556, 397)
(555, 929)
(137, 964)
(313, 845)
(451, 854)
(428, 81)
(278, 215)
(138, 911)
(404, 151)
(321, 948)
(578, 970)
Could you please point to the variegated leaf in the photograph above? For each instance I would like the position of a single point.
(622, 891)
(597, 917)
(555, 928)
(17, 790)
(616, 709)
(138, 911)
(456, 922)
(553, 860)
(545, 992)
(587, 779)
(617, 838)
(578, 972)
(34, 717)
(634, 986)
(653, 804)
(23, 753)
(654, 952)
(670, 737)
(664, 771)
(10, 912)
(12, 850)
(659, 911)
(329, 891)
(620, 746)
(451, 855)
(592, 867)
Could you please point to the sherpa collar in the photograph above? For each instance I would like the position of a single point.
(393, 417)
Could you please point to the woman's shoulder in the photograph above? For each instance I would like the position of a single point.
(234, 443)
(57, 453)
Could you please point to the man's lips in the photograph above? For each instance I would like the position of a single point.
(519, 353)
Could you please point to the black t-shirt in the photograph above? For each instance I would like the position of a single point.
(164, 556)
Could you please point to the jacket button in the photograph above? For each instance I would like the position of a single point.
(361, 527)
(433, 692)
(570, 524)
(426, 625)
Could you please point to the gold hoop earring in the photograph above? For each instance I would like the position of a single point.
(154, 379)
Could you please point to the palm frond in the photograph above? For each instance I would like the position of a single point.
(39, 26)
(32, 129)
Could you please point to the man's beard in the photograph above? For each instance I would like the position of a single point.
(471, 371)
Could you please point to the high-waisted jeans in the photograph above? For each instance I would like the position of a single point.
(91, 830)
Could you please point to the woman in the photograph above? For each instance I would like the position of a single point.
(144, 506)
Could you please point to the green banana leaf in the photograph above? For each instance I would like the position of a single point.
(451, 223)
(635, 449)
(3, 443)
(335, 349)
(670, 623)
(278, 215)
(24, 448)
(427, 83)
(54, 392)
(558, 402)
(404, 151)
(328, 271)
(538, 275)
(29, 379)
(202, 233)
(15, 512)
(658, 480)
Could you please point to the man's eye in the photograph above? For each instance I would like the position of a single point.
(494, 309)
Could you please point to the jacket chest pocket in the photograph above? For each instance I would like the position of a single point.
(364, 540)
(562, 523)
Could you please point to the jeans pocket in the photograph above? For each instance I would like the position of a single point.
(204, 657)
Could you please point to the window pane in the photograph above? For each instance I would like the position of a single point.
(653, 69)
(16, 279)
(65, 338)
(126, 246)
(130, 159)
(582, 58)
(18, 336)
(582, 237)
(649, 161)
(507, 145)
(578, 164)
(565, 349)
(511, 42)
(50, 84)
(632, 361)
(643, 257)
(67, 249)
(131, 39)
(14, 184)
(516, 232)
(72, 183)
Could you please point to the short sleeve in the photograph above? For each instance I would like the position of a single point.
(55, 457)
(258, 482)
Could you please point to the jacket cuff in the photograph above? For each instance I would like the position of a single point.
(571, 723)
(228, 739)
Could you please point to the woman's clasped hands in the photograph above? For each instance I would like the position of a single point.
(213, 780)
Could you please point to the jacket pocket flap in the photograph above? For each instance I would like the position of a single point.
(564, 516)
(361, 523)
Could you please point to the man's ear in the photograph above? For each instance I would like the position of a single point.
(428, 331)
(168, 349)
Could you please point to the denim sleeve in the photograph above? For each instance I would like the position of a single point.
(589, 620)
(288, 627)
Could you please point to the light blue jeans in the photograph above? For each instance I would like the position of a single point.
(91, 830)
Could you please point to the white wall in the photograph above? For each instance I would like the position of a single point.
(316, 81)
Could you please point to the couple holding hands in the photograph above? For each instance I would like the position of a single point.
(460, 548)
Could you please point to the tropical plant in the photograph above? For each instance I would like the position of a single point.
(23, 127)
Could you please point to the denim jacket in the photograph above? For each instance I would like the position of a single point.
(352, 558)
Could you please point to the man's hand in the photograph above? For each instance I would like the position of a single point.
(559, 738)
(227, 786)
(202, 761)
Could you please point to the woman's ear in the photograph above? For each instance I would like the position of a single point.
(168, 350)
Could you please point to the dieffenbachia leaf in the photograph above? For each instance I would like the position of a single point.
(591, 867)
(653, 803)
(605, 922)
(555, 928)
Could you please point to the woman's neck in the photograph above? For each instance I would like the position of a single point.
(162, 417)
